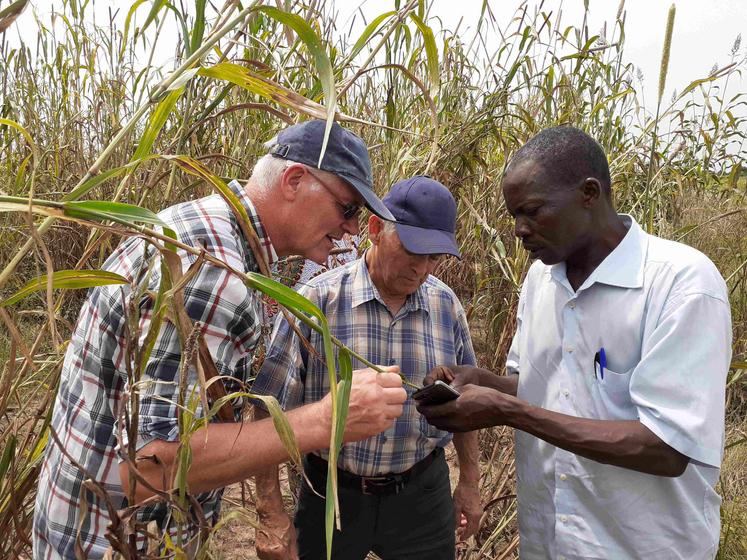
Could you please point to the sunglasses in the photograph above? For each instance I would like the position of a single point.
(349, 209)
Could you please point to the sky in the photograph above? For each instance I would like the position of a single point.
(704, 32)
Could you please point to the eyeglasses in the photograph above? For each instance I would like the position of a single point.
(349, 209)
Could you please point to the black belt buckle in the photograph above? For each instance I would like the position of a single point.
(377, 485)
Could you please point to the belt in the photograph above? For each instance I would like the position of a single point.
(376, 485)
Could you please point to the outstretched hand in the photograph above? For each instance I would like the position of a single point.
(477, 407)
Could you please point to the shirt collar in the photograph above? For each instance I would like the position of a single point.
(623, 267)
(265, 244)
(364, 290)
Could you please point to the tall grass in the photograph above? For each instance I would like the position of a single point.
(88, 113)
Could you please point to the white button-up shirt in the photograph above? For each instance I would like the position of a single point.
(660, 311)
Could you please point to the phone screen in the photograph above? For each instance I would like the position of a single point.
(438, 393)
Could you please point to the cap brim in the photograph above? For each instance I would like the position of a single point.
(373, 202)
(423, 241)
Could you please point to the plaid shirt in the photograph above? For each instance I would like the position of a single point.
(94, 381)
(430, 329)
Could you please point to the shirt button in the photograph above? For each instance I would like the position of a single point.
(572, 305)
(564, 518)
(563, 477)
(561, 557)
(569, 349)
(566, 392)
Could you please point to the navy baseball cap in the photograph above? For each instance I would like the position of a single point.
(346, 156)
(426, 216)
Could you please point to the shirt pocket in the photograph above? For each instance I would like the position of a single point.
(613, 396)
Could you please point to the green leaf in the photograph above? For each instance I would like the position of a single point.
(194, 167)
(116, 211)
(198, 31)
(96, 180)
(66, 280)
(155, 124)
(590, 42)
(321, 60)
(157, 5)
(339, 415)
(282, 427)
(20, 173)
(262, 86)
(128, 19)
(296, 303)
(697, 83)
(25, 133)
(431, 52)
(283, 295)
(8, 452)
(367, 32)
(514, 68)
(611, 98)
(9, 14)
(524, 38)
(182, 80)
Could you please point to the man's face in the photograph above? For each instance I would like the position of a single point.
(550, 218)
(401, 273)
(331, 209)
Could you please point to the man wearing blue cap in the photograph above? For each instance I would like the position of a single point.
(394, 490)
(296, 206)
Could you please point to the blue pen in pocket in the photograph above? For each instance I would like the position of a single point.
(600, 359)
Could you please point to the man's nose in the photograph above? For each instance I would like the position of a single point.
(521, 229)
(420, 264)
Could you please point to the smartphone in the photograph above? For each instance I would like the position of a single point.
(438, 393)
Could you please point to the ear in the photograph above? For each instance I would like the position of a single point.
(375, 228)
(290, 181)
(591, 192)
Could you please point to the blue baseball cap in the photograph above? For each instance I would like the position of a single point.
(346, 156)
(426, 216)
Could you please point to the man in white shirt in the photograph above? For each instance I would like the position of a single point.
(616, 374)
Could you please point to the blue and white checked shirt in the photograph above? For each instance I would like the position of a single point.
(430, 329)
(94, 380)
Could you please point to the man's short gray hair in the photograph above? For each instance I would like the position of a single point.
(268, 170)
(389, 227)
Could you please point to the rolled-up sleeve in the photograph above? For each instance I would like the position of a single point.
(679, 385)
(226, 311)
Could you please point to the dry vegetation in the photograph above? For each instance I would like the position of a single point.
(85, 99)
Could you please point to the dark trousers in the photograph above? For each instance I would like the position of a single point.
(415, 524)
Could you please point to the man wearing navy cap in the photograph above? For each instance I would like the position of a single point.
(296, 205)
(394, 490)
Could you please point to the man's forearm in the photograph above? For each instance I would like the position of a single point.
(623, 443)
(468, 453)
(225, 453)
(508, 384)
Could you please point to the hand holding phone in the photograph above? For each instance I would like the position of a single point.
(437, 393)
